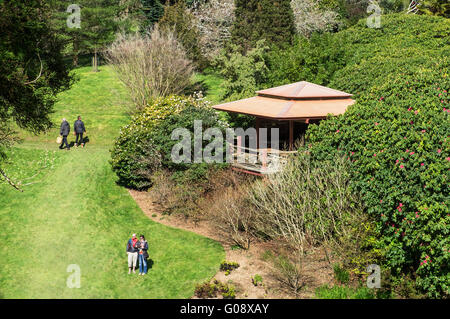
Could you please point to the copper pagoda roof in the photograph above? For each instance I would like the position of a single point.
(301, 100)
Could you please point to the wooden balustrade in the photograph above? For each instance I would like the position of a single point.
(260, 161)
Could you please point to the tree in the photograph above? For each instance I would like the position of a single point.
(214, 20)
(310, 18)
(263, 19)
(178, 18)
(434, 7)
(99, 21)
(153, 10)
(131, 15)
(243, 74)
(32, 69)
(150, 65)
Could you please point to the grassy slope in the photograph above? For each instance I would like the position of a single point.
(76, 214)
(213, 82)
(98, 98)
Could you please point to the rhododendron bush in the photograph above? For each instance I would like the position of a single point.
(134, 155)
(397, 139)
(145, 145)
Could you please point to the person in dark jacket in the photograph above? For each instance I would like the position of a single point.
(64, 131)
(132, 252)
(142, 246)
(78, 128)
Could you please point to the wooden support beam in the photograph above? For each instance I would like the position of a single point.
(239, 145)
(258, 123)
(291, 135)
(264, 159)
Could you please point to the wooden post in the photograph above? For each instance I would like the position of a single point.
(239, 145)
(264, 159)
(257, 132)
(291, 135)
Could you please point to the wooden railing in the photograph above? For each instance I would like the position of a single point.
(261, 161)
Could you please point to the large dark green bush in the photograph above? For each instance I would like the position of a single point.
(243, 73)
(263, 19)
(185, 119)
(145, 145)
(315, 60)
(322, 58)
(396, 138)
(134, 155)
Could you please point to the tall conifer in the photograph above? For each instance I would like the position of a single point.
(272, 20)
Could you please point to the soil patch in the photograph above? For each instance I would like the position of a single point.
(317, 270)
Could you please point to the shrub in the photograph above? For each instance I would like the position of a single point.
(210, 290)
(192, 194)
(323, 58)
(228, 292)
(399, 165)
(134, 156)
(262, 19)
(206, 290)
(233, 216)
(341, 274)
(342, 292)
(150, 65)
(396, 142)
(308, 203)
(228, 266)
(315, 60)
(289, 271)
(195, 110)
(358, 248)
(244, 74)
(257, 280)
(435, 7)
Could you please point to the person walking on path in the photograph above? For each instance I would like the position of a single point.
(142, 246)
(132, 252)
(79, 129)
(64, 131)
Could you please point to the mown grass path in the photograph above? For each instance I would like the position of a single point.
(75, 213)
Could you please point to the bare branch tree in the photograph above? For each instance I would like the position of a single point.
(306, 204)
(233, 217)
(309, 18)
(214, 20)
(151, 65)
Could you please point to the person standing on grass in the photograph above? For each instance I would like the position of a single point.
(78, 128)
(64, 132)
(132, 252)
(142, 246)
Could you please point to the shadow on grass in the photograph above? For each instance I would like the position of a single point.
(150, 263)
(84, 141)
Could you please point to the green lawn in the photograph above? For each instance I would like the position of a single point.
(213, 82)
(72, 212)
(101, 101)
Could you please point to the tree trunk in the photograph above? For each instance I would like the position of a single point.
(95, 61)
(75, 53)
